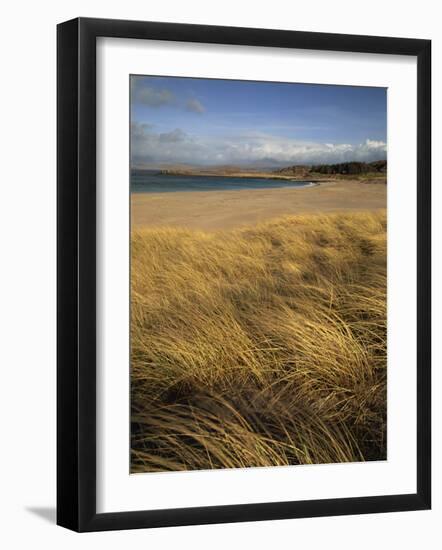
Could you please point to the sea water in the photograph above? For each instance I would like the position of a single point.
(153, 182)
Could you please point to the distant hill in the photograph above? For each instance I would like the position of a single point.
(370, 171)
(351, 168)
(298, 170)
(343, 168)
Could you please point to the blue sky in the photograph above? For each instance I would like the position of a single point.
(207, 122)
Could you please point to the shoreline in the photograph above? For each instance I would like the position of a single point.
(303, 176)
(308, 185)
(244, 175)
(230, 209)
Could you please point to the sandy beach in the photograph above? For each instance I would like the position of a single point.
(215, 210)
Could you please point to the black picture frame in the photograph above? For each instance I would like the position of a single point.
(77, 287)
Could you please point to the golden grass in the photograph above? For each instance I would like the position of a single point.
(261, 346)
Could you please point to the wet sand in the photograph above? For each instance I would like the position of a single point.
(214, 210)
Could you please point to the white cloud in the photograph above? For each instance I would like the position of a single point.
(143, 94)
(153, 97)
(177, 146)
(195, 106)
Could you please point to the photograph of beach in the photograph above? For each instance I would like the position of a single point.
(258, 274)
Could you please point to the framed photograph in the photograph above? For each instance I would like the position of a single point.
(243, 274)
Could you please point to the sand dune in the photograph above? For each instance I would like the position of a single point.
(263, 346)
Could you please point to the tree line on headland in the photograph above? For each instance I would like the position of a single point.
(342, 168)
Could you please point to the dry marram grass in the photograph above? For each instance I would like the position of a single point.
(261, 346)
